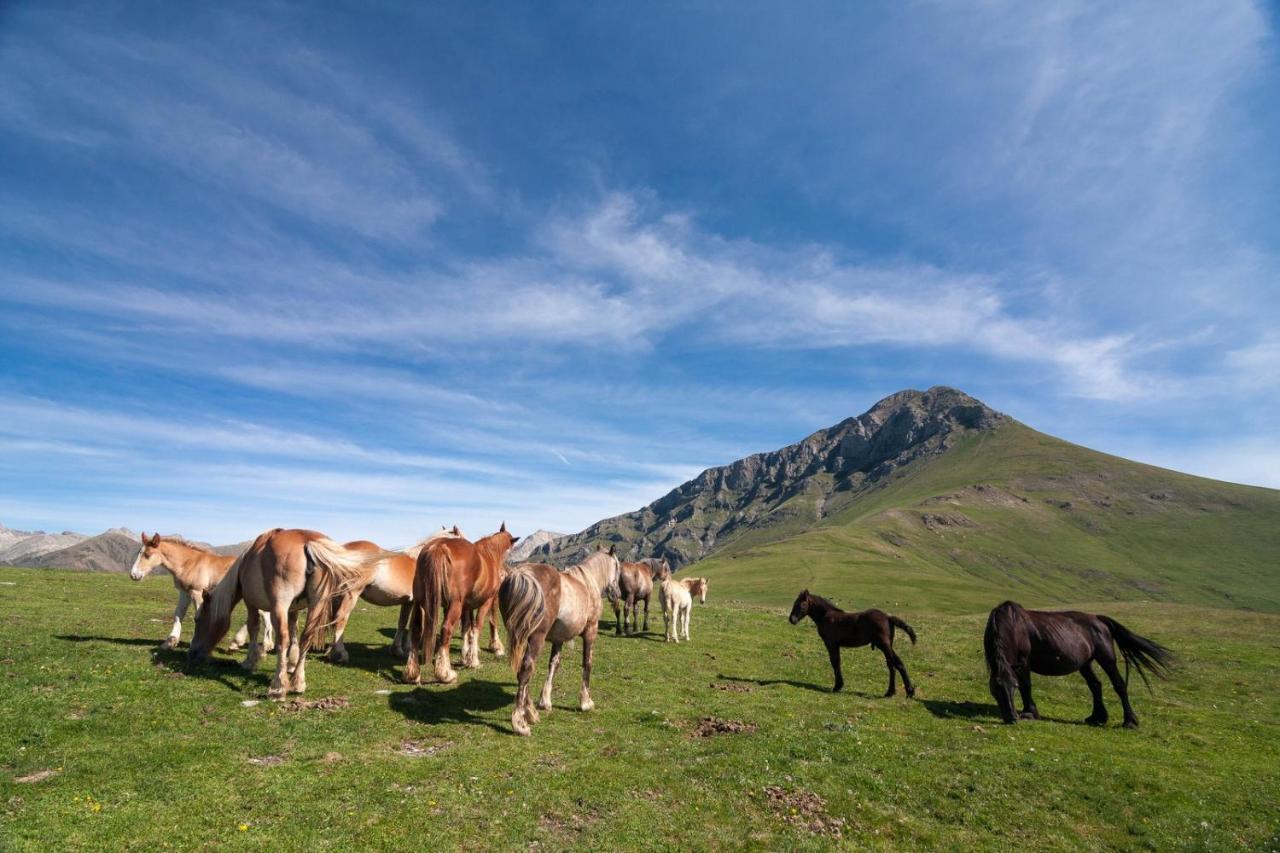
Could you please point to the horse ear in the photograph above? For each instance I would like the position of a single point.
(613, 549)
(155, 539)
(456, 531)
(503, 528)
(143, 534)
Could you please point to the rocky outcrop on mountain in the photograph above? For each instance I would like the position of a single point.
(696, 518)
(528, 544)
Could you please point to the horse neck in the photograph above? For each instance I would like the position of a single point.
(597, 569)
(819, 608)
(181, 560)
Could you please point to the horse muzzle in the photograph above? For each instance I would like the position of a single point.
(793, 619)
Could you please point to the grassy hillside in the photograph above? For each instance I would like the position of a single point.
(1013, 513)
(106, 742)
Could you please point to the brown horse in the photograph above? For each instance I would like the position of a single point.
(283, 572)
(635, 584)
(460, 577)
(850, 630)
(195, 572)
(391, 584)
(540, 603)
(1019, 642)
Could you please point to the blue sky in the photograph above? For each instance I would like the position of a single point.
(377, 268)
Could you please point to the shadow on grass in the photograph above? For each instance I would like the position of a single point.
(982, 710)
(455, 704)
(119, 641)
(803, 685)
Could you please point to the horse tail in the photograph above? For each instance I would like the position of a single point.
(336, 572)
(894, 620)
(436, 561)
(995, 637)
(213, 618)
(522, 602)
(1143, 654)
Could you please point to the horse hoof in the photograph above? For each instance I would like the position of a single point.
(911, 694)
(335, 656)
(1028, 715)
(234, 647)
(169, 643)
(1131, 723)
(1095, 721)
(447, 677)
(544, 705)
(588, 705)
(837, 688)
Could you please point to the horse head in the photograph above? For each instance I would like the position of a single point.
(148, 559)
(800, 609)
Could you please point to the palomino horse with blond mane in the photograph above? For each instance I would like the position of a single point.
(677, 602)
(283, 572)
(391, 584)
(460, 577)
(540, 603)
(195, 573)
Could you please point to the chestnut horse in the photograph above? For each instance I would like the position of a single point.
(1019, 642)
(195, 572)
(540, 603)
(462, 578)
(391, 584)
(283, 572)
(635, 584)
(838, 628)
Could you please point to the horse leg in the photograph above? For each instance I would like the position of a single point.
(184, 601)
(482, 616)
(495, 639)
(618, 615)
(544, 701)
(906, 679)
(646, 614)
(1029, 709)
(444, 669)
(1099, 715)
(833, 651)
(268, 633)
(241, 639)
(338, 651)
(251, 622)
(280, 684)
(1108, 664)
(684, 614)
(588, 646)
(400, 645)
(893, 671)
(294, 637)
(667, 617)
(1002, 692)
(470, 639)
(524, 714)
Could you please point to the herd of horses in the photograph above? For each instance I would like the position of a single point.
(447, 581)
(443, 583)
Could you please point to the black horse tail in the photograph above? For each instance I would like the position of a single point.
(997, 634)
(894, 620)
(1143, 654)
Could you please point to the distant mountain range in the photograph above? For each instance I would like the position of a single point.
(112, 550)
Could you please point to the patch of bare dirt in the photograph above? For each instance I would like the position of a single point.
(420, 749)
(732, 686)
(803, 809)
(575, 822)
(709, 726)
(332, 757)
(38, 776)
(267, 760)
(328, 703)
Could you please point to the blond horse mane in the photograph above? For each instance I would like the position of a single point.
(442, 533)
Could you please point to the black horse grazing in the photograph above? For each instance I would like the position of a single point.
(838, 628)
(1019, 642)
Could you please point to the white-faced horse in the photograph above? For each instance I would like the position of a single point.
(195, 572)
(539, 603)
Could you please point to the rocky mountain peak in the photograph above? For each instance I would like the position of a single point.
(697, 517)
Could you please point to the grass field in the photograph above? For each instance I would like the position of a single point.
(144, 754)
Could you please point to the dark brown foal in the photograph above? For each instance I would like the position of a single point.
(868, 627)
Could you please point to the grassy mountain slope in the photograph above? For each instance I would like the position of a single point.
(1012, 513)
